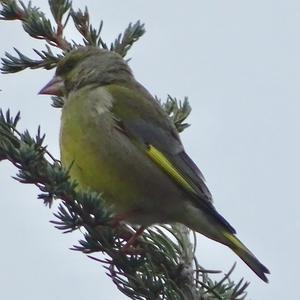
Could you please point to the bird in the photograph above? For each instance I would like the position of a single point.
(120, 142)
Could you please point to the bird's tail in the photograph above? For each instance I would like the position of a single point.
(245, 254)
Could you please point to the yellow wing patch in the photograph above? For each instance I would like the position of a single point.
(163, 162)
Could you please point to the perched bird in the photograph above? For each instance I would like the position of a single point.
(121, 143)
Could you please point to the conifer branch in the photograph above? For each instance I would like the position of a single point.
(39, 27)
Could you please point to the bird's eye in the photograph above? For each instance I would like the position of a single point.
(65, 67)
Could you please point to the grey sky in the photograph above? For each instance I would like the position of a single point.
(238, 61)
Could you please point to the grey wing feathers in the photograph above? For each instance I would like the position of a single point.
(144, 120)
(190, 170)
(173, 150)
(171, 146)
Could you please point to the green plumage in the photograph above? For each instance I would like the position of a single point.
(122, 144)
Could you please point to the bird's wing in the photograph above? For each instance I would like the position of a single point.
(141, 118)
(166, 150)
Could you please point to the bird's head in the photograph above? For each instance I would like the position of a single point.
(87, 66)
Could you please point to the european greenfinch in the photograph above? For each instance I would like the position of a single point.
(121, 143)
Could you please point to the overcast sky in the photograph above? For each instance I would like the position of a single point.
(238, 62)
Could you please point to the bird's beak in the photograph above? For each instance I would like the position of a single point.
(53, 87)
